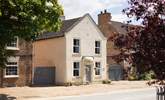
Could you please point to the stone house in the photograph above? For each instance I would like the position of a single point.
(18, 69)
(116, 71)
(75, 54)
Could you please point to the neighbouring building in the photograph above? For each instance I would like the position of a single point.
(116, 71)
(75, 54)
(18, 67)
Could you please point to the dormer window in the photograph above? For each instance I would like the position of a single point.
(97, 47)
(13, 45)
(76, 46)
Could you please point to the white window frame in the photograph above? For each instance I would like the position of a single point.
(15, 60)
(76, 46)
(76, 69)
(12, 76)
(99, 47)
(13, 47)
(97, 68)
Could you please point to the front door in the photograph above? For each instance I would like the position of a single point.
(88, 73)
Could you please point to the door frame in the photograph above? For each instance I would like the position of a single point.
(88, 73)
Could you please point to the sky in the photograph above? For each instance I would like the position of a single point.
(77, 8)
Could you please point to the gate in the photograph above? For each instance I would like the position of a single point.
(160, 93)
(44, 76)
(115, 72)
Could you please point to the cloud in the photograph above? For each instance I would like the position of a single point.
(76, 8)
(119, 17)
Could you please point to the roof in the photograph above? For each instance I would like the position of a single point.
(119, 27)
(66, 26)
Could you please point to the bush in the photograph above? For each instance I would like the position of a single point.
(132, 77)
(106, 81)
(68, 84)
(147, 76)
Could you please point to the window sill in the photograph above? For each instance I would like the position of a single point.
(76, 77)
(98, 55)
(11, 76)
(76, 54)
(12, 48)
(97, 76)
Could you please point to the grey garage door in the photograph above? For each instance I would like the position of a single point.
(115, 72)
(44, 76)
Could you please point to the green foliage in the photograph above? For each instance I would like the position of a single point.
(147, 76)
(68, 84)
(132, 77)
(106, 81)
(26, 19)
(144, 45)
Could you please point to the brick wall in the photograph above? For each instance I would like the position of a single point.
(104, 20)
(24, 65)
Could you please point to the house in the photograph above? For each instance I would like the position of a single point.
(75, 54)
(109, 28)
(18, 67)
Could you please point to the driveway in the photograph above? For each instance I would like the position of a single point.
(23, 93)
(137, 94)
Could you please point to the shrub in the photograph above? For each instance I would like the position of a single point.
(106, 81)
(68, 84)
(147, 76)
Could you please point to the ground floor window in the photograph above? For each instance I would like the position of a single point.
(97, 68)
(76, 68)
(11, 69)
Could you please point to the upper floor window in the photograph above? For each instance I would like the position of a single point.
(97, 47)
(98, 68)
(11, 69)
(76, 68)
(13, 44)
(76, 46)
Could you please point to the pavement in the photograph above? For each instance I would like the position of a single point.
(136, 94)
(34, 93)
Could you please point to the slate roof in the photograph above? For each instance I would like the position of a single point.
(66, 26)
(119, 27)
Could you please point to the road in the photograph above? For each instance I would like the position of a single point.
(138, 94)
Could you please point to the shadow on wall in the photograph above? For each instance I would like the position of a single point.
(6, 97)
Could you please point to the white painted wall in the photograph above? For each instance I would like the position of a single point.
(88, 33)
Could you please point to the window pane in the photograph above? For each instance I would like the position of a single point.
(76, 49)
(76, 67)
(13, 43)
(97, 64)
(76, 64)
(97, 72)
(97, 44)
(76, 41)
(97, 50)
(98, 68)
(12, 68)
(76, 46)
(97, 47)
(76, 73)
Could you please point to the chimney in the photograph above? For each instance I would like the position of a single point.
(104, 17)
(62, 18)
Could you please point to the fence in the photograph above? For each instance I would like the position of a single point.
(160, 93)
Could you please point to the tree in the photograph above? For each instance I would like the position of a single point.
(26, 19)
(144, 46)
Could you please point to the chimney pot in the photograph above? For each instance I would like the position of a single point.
(101, 12)
(105, 11)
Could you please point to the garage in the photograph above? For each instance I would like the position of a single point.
(44, 76)
(115, 72)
